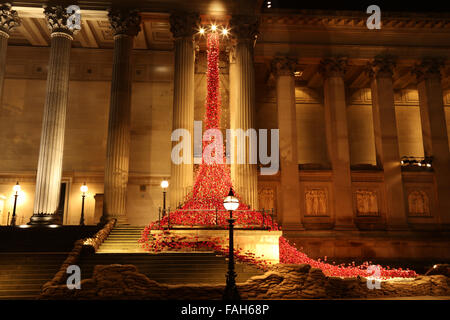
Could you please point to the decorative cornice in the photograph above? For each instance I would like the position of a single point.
(333, 67)
(124, 21)
(9, 19)
(428, 68)
(284, 66)
(184, 25)
(244, 27)
(57, 19)
(382, 66)
(342, 19)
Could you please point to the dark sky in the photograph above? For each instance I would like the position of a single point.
(385, 5)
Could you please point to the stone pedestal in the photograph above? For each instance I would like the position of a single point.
(9, 19)
(49, 170)
(434, 131)
(126, 25)
(245, 28)
(336, 129)
(183, 27)
(386, 140)
(284, 69)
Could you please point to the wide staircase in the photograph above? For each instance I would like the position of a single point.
(122, 247)
(123, 239)
(23, 274)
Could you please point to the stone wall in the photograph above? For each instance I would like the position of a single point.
(282, 282)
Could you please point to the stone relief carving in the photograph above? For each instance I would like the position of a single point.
(57, 19)
(428, 68)
(284, 66)
(366, 203)
(334, 66)
(9, 18)
(184, 25)
(316, 201)
(244, 27)
(381, 66)
(124, 21)
(418, 203)
(266, 198)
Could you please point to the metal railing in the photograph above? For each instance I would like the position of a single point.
(269, 217)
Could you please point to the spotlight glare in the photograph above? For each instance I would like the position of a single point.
(202, 30)
(224, 32)
(213, 27)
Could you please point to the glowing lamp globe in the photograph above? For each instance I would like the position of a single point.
(213, 27)
(84, 188)
(230, 202)
(164, 184)
(16, 188)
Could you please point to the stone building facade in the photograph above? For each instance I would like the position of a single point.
(355, 108)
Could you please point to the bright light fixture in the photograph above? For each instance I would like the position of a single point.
(231, 203)
(202, 30)
(164, 184)
(16, 187)
(84, 188)
(225, 31)
(213, 27)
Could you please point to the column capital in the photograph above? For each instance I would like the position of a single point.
(284, 66)
(333, 67)
(57, 16)
(244, 27)
(382, 66)
(184, 25)
(9, 19)
(428, 68)
(124, 21)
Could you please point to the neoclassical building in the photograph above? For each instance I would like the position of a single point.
(363, 114)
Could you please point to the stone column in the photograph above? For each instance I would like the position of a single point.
(245, 30)
(336, 130)
(284, 69)
(125, 25)
(9, 19)
(434, 130)
(48, 178)
(386, 141)
(183, 28)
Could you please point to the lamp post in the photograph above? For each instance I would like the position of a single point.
(164, 185)
(83, 189)
(231, 203)
(16, 189)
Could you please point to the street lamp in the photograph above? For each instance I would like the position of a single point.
(83, 189)
(231, 203)
(16, 189)
(164, 185)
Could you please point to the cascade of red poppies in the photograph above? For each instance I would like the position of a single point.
(204, 204)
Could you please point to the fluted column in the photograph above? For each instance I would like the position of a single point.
(126, 25)
(434, 130)
(335, 107)
(284, 69)
(48, 179)
(386, 140)
(245, 29)
(183, 27)
(9, 19)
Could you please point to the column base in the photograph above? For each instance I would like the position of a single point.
(45, 219)
(292, 227)
(398, 227)
(345, 227)
(119, 220)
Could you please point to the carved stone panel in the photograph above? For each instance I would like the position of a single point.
(316, 202)
(418, 203)
(366, 203)
(267, 198)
